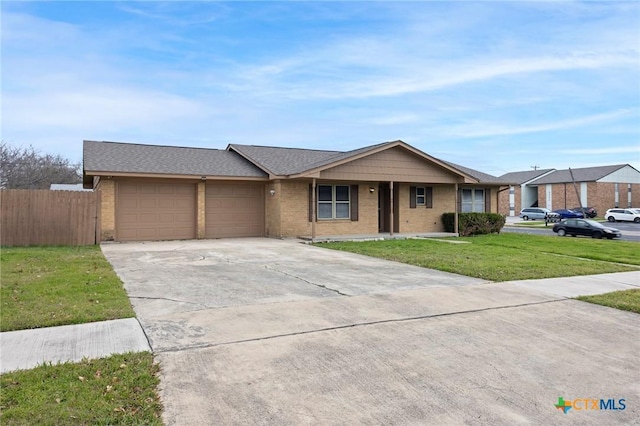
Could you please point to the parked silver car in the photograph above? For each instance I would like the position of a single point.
(627, 215)
(534, 213)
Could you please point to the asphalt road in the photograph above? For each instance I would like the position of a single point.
(630, 231)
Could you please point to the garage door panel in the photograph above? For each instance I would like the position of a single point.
(234, 210)
(154, 211)
(166, 203)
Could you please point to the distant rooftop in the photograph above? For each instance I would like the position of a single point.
(524, 176)
(586, 174)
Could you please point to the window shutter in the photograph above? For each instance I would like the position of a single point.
(310, 203)
(428, 193)
(412, 197)
(487, 200)
(353, 201)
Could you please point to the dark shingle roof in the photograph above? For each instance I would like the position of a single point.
(282, 161)
(480, 176)
(135, 158)
(525, 176)
(587, 174)
(290, 161)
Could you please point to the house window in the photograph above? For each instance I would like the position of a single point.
(472, 201)
(333, 202)
(421, 196)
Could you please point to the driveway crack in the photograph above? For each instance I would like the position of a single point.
(306, 281)
(355, 325)
(168, 299)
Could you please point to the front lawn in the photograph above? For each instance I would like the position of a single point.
(120, 389)
(626, 300)
(505, 257)
(50, 286)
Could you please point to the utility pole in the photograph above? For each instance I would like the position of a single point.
(584, 213)
(535, 167)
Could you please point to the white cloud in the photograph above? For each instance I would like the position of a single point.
(477, 129)
(604, 151)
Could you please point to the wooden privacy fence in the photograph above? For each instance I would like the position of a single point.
(42, 217)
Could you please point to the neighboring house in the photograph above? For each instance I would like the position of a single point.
(520, 195)
(160, 192)
(601, 187)
(68, 187)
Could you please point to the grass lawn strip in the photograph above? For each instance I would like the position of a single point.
(120, 389)
(614, 251)
(505, 257)
(626, 300)
(51, 286)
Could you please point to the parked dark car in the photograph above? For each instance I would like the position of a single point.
(568, 214)
(589, 211)
(586, 227)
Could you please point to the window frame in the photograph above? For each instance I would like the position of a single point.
(334, 202)
(472, 202)
(423, 196)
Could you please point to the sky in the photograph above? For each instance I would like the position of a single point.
(494, 86)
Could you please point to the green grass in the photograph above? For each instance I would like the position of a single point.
(505, 257)
(532, 224)
(626, 300)
(115, 390)
(50, 286)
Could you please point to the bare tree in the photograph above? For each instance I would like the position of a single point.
(26, 168)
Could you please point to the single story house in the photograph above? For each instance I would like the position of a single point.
(151, 192)
(602, 187)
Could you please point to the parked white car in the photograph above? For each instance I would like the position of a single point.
(627, 215)
(534, 213)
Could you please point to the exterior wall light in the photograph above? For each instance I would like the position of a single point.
(272, 192)
(372, 189)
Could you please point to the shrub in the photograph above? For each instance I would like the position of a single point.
(474, 223)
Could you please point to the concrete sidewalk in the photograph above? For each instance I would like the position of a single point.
(26, 349)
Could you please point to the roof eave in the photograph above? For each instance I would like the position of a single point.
(90, 174)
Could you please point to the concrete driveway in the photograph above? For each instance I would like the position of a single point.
(262, 331)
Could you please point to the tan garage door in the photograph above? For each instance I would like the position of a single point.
(234, 210)
(155, 211)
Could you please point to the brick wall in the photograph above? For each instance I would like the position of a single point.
(635, 195)
(600, 195)
(420, 218)
(107, 188)
(289, 215)
(272, 210)
(201, 210)
(504, 202)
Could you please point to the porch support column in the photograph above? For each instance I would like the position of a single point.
(391, 208)
(201, 196)
(314, 204)
(455, 209)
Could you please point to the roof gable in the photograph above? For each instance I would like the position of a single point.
(393, 164)
(331, 159)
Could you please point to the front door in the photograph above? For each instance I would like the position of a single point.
(384, 208)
